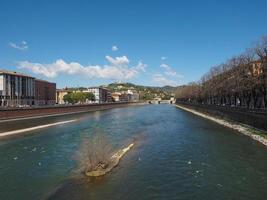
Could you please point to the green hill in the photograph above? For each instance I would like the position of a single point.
(146, 92)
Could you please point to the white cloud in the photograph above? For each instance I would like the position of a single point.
(22, 46)
(168, 71)
(161, 80)
(141, 66)
(163, 58)
(165, 66)
(118, 61)
(171, 73)
(114, 48)
(117, 69)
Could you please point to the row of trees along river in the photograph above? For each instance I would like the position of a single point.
(240, 81)
(82, 97)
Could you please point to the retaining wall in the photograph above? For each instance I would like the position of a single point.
(255, 118)
(11, 113)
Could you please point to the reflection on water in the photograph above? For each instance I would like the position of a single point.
(178, 156)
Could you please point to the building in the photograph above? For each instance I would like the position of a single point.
(125, 97)
(19, 90)
(135, 97)
(60, 93)
(257, 68)
(116, 96)
(109, 99)
(45, 93)
(129, 96)
(16, 89)
(102, 95)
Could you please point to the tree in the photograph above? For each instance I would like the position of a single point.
(261, 48)
(240, 81)
(67, 98)
(78, 97)
(90, 96)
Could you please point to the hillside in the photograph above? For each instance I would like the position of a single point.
(146, 92)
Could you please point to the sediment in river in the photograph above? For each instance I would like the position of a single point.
(113, 162)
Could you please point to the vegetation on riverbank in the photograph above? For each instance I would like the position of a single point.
(82, 97)
(240, 81)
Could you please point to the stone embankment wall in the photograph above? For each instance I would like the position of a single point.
(256, 118)
(11, 113)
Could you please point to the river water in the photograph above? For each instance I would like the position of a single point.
(177, 156)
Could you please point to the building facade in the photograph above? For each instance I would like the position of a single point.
(116, 96)
(133, 95)
(129, 96)
(102, 95)
(256, 68)
(20, 90)
(45, 93)
(60, 93)
(16, 89)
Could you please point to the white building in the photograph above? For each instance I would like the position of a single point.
(102, 95)
(129, 96)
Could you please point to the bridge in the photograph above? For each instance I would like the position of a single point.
(159, 101)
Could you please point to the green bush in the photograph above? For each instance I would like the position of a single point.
(78, 97)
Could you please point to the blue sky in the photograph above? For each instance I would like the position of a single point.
(89, 43)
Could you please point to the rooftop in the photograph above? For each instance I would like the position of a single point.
(14, 73)
(63, 90)
(102, 88)
(44, 81)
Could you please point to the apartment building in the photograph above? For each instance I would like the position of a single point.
(45, 93)
(102, 95)
(129, 96)
(19, 90)
(16, 89)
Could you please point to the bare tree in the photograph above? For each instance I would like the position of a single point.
(240, 81)
(261, 48)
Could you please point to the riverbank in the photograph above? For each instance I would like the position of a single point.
(253, 133)
(256, 118)
(22, 125)
(15, 132)
(12, 114)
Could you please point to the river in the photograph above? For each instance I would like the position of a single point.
(177, 156)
